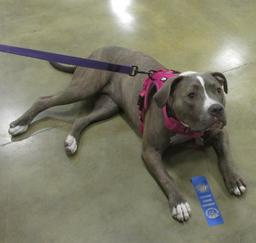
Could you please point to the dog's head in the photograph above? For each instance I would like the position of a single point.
(197, 99)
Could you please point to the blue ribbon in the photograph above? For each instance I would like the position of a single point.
(207, 201)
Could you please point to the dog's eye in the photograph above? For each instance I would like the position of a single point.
(192, 95)
(219, 90)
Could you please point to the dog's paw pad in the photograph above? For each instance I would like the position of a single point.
(181, 212)
(19, 129)
(70, 144)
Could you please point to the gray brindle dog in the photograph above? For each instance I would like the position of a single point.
(197, 101)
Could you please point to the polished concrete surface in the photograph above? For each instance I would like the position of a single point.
(104, 193)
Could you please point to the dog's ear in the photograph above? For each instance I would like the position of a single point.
(221, 79)
(162, 95)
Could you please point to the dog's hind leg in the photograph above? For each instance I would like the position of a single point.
(104, 108)
(81, 87)
(21, 124)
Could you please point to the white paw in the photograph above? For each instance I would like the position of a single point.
(17, 130)
(181, 212)
(70, 144)
(239, 190)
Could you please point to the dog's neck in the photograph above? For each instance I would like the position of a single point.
(171, 113)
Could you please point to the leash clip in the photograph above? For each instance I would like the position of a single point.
(135, 70)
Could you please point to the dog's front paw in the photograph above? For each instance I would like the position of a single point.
(235, 184)
(70, 145)
(180, 209)
(181, 212)
(16, 130)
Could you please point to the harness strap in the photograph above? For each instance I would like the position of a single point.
(156, 80)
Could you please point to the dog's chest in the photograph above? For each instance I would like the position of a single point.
(179, 138)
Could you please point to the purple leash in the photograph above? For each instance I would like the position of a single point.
(71, 60)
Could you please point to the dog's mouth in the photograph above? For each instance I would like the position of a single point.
(210, 125)
(217, 124)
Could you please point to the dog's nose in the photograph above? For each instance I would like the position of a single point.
(216, 109)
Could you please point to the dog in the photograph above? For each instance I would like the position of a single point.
(197, 101)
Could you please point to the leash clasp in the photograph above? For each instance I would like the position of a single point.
(135, 70)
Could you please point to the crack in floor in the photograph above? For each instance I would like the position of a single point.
(32, 135)
(237, 67)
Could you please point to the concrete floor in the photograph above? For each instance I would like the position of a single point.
(104, 193)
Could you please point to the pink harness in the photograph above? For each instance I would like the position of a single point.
(157, 79)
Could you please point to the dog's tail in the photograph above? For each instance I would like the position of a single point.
(63, 67)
